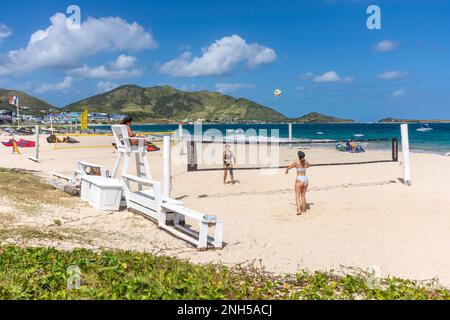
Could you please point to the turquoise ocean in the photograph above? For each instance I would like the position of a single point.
(435, 141)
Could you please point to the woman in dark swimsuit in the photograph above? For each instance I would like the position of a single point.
(228, 163)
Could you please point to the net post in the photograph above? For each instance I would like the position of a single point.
(37, 146)
(192, 156)
(290, 134)
(37, 143)
(406, 156)
(167, 176)
(181, 139)
(395, 150)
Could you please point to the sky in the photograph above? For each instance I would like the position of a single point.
(321, 54)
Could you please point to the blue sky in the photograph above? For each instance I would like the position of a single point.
(320, 53)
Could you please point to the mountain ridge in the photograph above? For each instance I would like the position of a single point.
(168, 103)
(165, 104)
(316, 117)
(35, 104)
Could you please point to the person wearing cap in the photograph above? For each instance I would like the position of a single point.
(301, 181)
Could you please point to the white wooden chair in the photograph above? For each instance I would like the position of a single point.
(126, 149)
(162, 209)
(84, 169)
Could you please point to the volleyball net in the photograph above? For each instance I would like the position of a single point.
(255, 155)
(98, 141)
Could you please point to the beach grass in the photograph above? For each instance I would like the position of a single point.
(28, 193)
(45, 273)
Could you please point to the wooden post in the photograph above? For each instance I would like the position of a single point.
(180, 138)
(36, 155)
(37, 146)
(167, 176)
(18, 111)
(406, 155)
(290, 132)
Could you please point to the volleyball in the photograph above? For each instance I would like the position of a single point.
(277, 92)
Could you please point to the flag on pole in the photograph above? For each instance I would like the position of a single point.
(14, 100)
(84, 120)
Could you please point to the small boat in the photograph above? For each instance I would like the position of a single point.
(424, 128)
(359, 135)
(50, 130)
(320, 133)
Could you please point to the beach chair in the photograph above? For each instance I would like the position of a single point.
(126, 149)
(170, 214)
(72, 184)
(84, 169)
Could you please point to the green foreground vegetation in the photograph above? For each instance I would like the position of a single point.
(39, 273)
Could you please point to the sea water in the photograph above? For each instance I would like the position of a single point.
(435, 141)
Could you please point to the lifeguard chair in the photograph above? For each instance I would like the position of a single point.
(126, 149)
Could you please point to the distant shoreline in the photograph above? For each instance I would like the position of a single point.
(395, 120)
(243, 123)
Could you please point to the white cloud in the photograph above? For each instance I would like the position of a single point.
(105, 86)
(301, 88)
(102, 72)
(392, 75)
(121, 68)
(331, 76)
(348, 79)
(61, 47)
(230, 87)
(46, 87)
(308, 76)
(399, 93)
(219, 58)
(5, 32)
(387, 45)
(123, 62)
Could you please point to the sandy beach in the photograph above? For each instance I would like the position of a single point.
(360, 215)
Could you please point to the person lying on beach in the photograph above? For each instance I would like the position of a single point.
(301, 182)
(228, 164)
(54, 139)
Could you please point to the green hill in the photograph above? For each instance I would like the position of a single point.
(169, 104)
(315, 117)
(28, 104)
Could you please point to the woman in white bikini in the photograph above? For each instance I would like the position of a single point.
(301, 182)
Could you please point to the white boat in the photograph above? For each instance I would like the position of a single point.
(424, 128)
(50, 130)
(320, 132)
(359, 135)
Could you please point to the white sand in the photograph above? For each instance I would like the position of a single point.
(360, 216)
